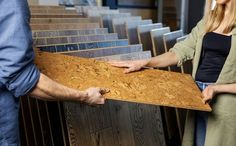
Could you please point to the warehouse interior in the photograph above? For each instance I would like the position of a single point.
(137, 29)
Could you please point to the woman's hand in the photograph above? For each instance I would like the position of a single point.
(208, 93)
(131, 65)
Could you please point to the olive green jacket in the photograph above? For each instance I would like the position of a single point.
(221, 126)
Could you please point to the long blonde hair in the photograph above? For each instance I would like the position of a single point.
(215, 16)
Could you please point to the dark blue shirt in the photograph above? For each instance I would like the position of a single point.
(18, 74)
(215, 49)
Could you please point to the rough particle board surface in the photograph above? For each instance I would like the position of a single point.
(149, 86)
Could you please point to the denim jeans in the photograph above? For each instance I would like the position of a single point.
(9, 111)
(201, 120)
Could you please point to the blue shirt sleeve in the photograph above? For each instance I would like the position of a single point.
(17, 70)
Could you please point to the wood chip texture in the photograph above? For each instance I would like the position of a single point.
(154, 87)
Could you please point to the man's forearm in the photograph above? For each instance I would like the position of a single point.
(50, 90)
(164, 60)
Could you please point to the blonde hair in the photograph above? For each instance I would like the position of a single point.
(215, 16)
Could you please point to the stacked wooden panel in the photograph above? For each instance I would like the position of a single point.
(52, 12)
(107, 19)
(144, 35)
(131, 29)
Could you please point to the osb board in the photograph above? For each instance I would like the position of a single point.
(148, 86)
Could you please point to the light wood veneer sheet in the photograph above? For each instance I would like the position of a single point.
(154, 87)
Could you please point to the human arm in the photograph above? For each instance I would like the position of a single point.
(212, 90)
(179, 54)
(164, 60)
(48, 89)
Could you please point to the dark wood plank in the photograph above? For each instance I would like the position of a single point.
(46, 7)
(45, 124)
(27, 121)
(92, 13)
(118, 25)
(64, 20)
(128, 56)
(22, 124)
(147, 125)
(77, 124)
(105, 51)
(55, 123)
(121, 123)
(75, 32)
(131, 29)
(144, 35)
(52, 11)
(98, 118)
(169, 40)
(84, 9)
(58, 26)
(36, 125)
(104, 137)
(83, 45)
(107, 19)
(74, 39)
(56, 15)
(157, 40)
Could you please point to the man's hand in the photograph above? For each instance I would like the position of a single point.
(47, 89)
(95, 96)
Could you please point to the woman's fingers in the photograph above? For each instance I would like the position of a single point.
(207, 95)
(119, 63)
(132, 69)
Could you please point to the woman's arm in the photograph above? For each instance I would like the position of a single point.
(180, 53)
(48, 89)
(164, 60)
(212, 90)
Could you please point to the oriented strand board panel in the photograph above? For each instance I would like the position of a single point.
(167, 88)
